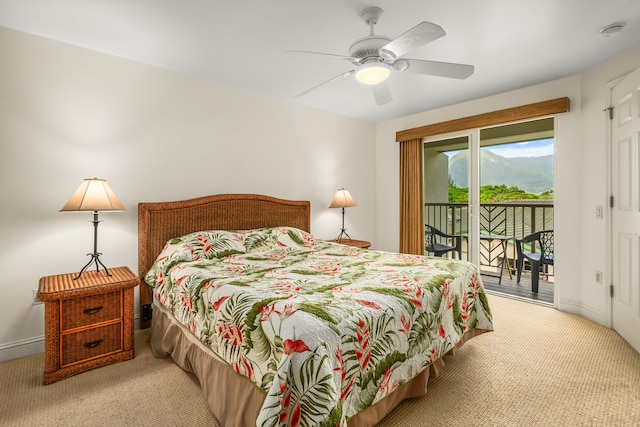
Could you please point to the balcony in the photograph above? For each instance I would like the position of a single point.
(516, 219)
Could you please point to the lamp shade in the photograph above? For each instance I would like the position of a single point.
(342, 199)
(93, 194)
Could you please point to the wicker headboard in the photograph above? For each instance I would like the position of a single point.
(160, 221)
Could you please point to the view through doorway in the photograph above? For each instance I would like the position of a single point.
(492, 193)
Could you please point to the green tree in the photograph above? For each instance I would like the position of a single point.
(495, 194)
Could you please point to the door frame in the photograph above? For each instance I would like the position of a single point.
(609, 218)
(608, 273)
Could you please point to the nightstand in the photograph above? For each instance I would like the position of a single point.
(363, 244)
(88, 321)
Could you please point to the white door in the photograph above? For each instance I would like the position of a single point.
(625, 215)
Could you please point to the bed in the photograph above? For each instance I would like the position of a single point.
(283, 328)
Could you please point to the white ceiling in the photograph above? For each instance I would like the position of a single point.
(243, 43)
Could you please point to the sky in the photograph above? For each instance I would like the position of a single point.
(542, 147)
(538, 148)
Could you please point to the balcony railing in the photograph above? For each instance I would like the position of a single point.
(516, 219)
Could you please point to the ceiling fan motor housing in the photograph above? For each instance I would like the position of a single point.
(367, 49)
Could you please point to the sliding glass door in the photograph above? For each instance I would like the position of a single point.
(491, 186)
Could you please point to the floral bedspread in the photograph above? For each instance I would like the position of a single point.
(325, 330)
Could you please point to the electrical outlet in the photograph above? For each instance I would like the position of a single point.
(36, 300)
(147, 312)
(599, 277)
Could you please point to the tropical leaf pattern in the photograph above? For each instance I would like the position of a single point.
(325, 330)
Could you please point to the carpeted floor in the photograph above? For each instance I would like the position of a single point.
(540, 367)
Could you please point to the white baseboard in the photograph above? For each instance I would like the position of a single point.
(34, 345)
(22, 348)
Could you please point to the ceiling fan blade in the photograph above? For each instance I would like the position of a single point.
(348, 58)
(382, 93)
(345, 74)
(419, 35)
(434, 68)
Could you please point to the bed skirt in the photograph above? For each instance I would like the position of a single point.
(234, 399)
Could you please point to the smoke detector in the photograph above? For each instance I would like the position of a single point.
(611, 30)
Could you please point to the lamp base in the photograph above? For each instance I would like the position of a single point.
(95, 256)
(95, 259)
(343, 232)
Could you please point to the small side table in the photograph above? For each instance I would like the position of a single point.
(503, 246)
(88, 321)
(363, 244)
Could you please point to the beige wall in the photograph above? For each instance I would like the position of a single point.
(581, 171)
(67, 113)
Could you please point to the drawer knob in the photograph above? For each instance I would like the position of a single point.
(93, 344)
(92, 310)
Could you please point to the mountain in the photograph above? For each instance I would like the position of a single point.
(531, 174)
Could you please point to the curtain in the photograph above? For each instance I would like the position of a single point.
(411, 206)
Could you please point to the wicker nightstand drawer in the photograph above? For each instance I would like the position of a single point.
(91, 343)
(91, 310)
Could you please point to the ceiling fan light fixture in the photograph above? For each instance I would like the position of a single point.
(373, 73)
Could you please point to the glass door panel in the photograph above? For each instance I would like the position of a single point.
(516, 190)
(446, 199)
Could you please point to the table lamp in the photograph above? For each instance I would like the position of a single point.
(95, 195)
(342, 199)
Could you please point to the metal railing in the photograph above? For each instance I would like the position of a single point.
(517, 219)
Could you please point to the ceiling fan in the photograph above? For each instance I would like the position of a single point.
(376, 56)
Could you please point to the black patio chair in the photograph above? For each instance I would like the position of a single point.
(434, 238)
(541, 254)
